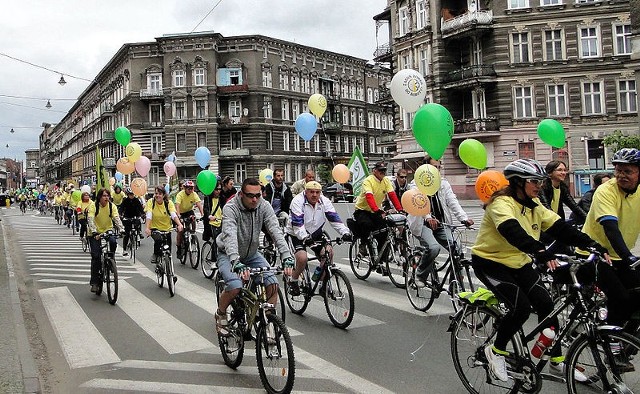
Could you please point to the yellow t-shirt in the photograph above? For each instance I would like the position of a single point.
(104, 218)
(160, 218)
(58, 200)
(609, 200)
(371, 184)
(117, 198)
(491, 245)
(83, 206)
(186, 203)
(217, 215)
(555, 200)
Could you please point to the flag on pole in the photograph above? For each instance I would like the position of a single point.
(358, 168)
(102, 180)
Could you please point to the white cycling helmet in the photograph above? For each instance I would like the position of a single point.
(525, 169)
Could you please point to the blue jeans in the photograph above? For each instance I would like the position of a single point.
(431, 240)
(232, 280)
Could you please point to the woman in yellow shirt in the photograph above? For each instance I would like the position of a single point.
(82, 209)
(160, 214)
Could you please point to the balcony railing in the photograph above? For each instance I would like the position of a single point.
(481, 70)
(151, 93)
(476, 125)
(244, 88)
(238, 153)
(387, 138)
(466, 21)
(331, 126)
(382, 50)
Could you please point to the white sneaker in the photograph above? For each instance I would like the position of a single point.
(497, 364)
(558, 370)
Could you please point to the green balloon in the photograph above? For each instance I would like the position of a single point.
(473, 153)
(76, 195)
(433, 129)
(551, 132)
(206, 181)
(123, 135)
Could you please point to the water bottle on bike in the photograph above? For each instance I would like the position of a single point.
(543, 342)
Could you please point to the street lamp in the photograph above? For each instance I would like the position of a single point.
(12, 130)
(48, 104)
(62, 82)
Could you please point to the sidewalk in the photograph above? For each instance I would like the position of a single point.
(18, 372)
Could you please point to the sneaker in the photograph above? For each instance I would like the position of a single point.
(420, 282)
(497, 364)
(94, 288)
(154, 259)
(222, 325)
(125, 254)
(559, 369)
(381, 269)
(294, 288)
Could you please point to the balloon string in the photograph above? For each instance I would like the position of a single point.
(427, 336)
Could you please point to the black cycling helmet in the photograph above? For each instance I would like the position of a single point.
(525, 169)
(627, 156)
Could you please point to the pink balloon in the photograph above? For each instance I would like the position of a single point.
(169, 168)
(143, 165)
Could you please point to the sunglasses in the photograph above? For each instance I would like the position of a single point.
(537, 182)
(403, 177)
(252, 195)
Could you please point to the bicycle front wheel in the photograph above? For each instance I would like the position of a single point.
(274, 354)
(360, 264)
(194, 251)
(421, 298)
(610, 364)
(111, 279)
(207, 264)
(338, 299)
(171, 279)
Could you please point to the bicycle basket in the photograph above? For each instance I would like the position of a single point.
(479, 297)
(396, 219)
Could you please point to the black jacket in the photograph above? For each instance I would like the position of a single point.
(546, 195)
(131, 208)
(285, 195)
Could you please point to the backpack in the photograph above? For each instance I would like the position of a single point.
(166, 206)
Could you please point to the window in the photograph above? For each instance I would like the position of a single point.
(515, 4)
(178, 78)
(201, 109)
(154, 82)
(346, 144)
(592, 95)
(423, 65)
(553, 45)
(269, 140)
(589, 42)
(378, 122)
(520, 42)
(316, 143)
(384, 122)
(338, 146)
(403, 19)
(236, 139)
(296, 143)
(550, 2)
(306, 145)
(370, 119)
(198, 77)
(557, 100)
(595, 154)
(234, 77)
(201, 138)
(179, 109)
(234, 108)
(154, 176)
(345, 116)
(353, 117)
(266, 108)
(422, 19)
(295, 109)
(370, 95)
(284, 81)
(294, 84)
(155, 115)
(240, 172)
(623, 39)
(628, 96)
(372, 144)
(361, 118)
(285, 109)
(285, 140)
(156, 144)
(523, 97)
(376, 94)
(526, 150)
(181, 142)
(266, 79)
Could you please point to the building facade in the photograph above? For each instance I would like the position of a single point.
(238, 96)
(502, 67)
(32, 167)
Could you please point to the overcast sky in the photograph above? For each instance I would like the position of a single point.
(78, 37)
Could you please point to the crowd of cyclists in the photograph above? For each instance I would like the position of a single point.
(522, 229)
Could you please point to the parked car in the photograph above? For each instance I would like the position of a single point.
(339, 192)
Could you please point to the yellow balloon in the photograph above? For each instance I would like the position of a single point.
(112, 181)
(427, 178)
(139, 187)
(341, 173)
(266, 176)
(125, 166)
(133, 151)
(317, 104)
(415, 203)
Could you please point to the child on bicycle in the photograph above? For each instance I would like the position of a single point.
(509, 233)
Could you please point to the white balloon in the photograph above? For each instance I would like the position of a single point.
(408, 89)
(86, 189)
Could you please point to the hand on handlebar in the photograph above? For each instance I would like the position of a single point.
(433, 223)
(240, 269)
(468, 222)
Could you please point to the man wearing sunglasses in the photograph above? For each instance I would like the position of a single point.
(243, 217)
(185, 200)
(400, 185)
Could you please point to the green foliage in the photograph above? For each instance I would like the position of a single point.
(617, 141)
(323, 173)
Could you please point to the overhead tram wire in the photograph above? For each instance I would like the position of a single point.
(46, 68)
(28, 106)
(205, 17)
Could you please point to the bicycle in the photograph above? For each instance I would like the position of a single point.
(457, 276)
(190, 243)
(165, 266)
(109, 269)
(333, 286)
(250, 311)
(209, 258)
(23, 207)
(134, 236)
(602, 353)
(395, 251)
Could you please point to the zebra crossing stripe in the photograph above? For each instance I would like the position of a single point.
(162, 387)
(170, 333)
(80, 340)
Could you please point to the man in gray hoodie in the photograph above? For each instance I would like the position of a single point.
(243, 217)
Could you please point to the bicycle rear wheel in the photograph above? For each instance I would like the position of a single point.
(396, 265)
(338, 299)
(194, 251)
(111, 279)
(232, 345)
(420, 298)
(611, 363)
(208, 260)
(274, 355)
(360, 265)
(171, 279)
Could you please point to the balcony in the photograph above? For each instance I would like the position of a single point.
(383, 53)
(233, 90)
(151, 93)
(467, 24)
(108, 136)
(470, 76)
(233, 120)
(387, 138)
(331, 126)
(234, 154)
(475, 125)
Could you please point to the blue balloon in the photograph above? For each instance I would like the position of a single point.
(118, 176)
(203, 156)
(171, 157)
(166, 188)
(306, 126)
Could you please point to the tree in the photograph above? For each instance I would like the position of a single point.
(617, 141)
(323, 173)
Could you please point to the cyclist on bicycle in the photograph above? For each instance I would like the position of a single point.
(100, 218)
(82, 209)
(213, 210)
(117, 196)
(243, 217)
(278, 194)
(132, 211)
(23, 202)
(57, 203)
(509, 233)
(309, 212)
(160, 213)
(185, 200)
